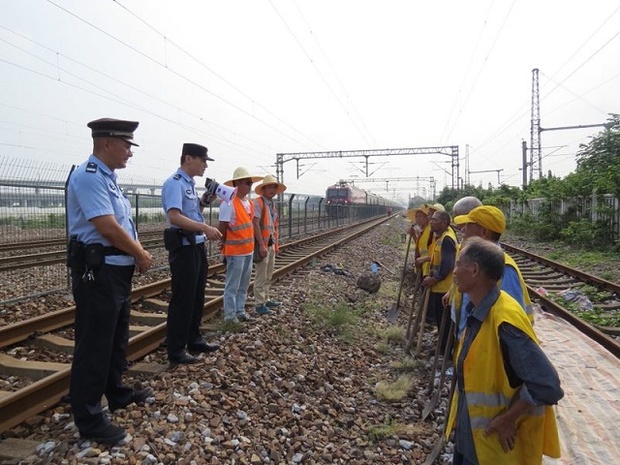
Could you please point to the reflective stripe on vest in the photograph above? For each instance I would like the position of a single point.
(445, 284)
(488, 393)
(268, 228)
(240, 236)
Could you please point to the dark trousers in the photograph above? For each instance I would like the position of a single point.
(101, 337)
(436, 308)
(188, 267)
(459, 459)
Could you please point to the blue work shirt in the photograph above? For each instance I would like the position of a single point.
(525, 365)
(92, 192)
(179, 192)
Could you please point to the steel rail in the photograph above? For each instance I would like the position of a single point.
(18, 262)
(609, 343)
(601, 338)
(580, 275)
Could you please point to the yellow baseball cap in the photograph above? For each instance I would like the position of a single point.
(487, 216)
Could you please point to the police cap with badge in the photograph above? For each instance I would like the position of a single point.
(196, 150)
(110, 127)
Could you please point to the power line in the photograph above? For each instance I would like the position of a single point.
(584, 62)
(466, 74)
(133, 88)
(176, 73)
(583, 44)
(486, 59)
(202, 64)
(346, 94)
(331, 90)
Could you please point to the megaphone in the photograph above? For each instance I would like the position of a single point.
(221, 191)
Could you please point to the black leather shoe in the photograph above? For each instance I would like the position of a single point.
(202, 347)
(183, 359)
(138, 397)
(109, 434)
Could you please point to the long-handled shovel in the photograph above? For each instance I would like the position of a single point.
(416, 289)
(432, 403)
(430, 458)
(418, 323)
(393, 312)
(418, 347)
(440, 335)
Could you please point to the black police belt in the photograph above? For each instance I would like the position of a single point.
(109, 250)
(173, 238)
(82, 256)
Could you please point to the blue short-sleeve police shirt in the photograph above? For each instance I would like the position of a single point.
(179, 192)
(93, 192)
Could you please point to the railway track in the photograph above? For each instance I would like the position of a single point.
(22, 255)
(51, 380)
(56, 242)
(554, 285)
(19, 262)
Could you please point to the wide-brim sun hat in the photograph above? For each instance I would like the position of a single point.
(437, 207)
(412, 211)
(242, 173)
(267, 181)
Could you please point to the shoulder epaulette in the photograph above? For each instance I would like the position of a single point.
(176, 176)
(91, 167)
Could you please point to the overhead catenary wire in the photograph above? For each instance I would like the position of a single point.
(481, 69)
(179, 75)
(321, 75)
(338, 80)
(470, 63)
(199, 118)
(216, 74)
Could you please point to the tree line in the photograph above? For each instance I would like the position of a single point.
(596, 178)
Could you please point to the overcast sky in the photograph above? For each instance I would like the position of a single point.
(253, 78)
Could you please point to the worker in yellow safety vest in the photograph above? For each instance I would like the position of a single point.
(501, 411)
(439, 279)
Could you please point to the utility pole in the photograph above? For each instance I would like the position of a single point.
(524, 155)
(535, 130)
(466, 164)
(535, 152)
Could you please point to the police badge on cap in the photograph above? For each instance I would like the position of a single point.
(109, 127)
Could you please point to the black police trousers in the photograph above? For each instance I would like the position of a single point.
(101, 338)
(188, 267)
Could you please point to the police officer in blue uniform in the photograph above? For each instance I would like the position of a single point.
(103, 252)
(185, 241)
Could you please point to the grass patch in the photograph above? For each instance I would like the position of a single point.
(603, 319)
(393, 333)
(383, 348)
(341, 320)
(393, 428)
(594, 294)
(407, 365)
(224, 326)
(396, 391)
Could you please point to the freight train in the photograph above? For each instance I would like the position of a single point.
(344, 200)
